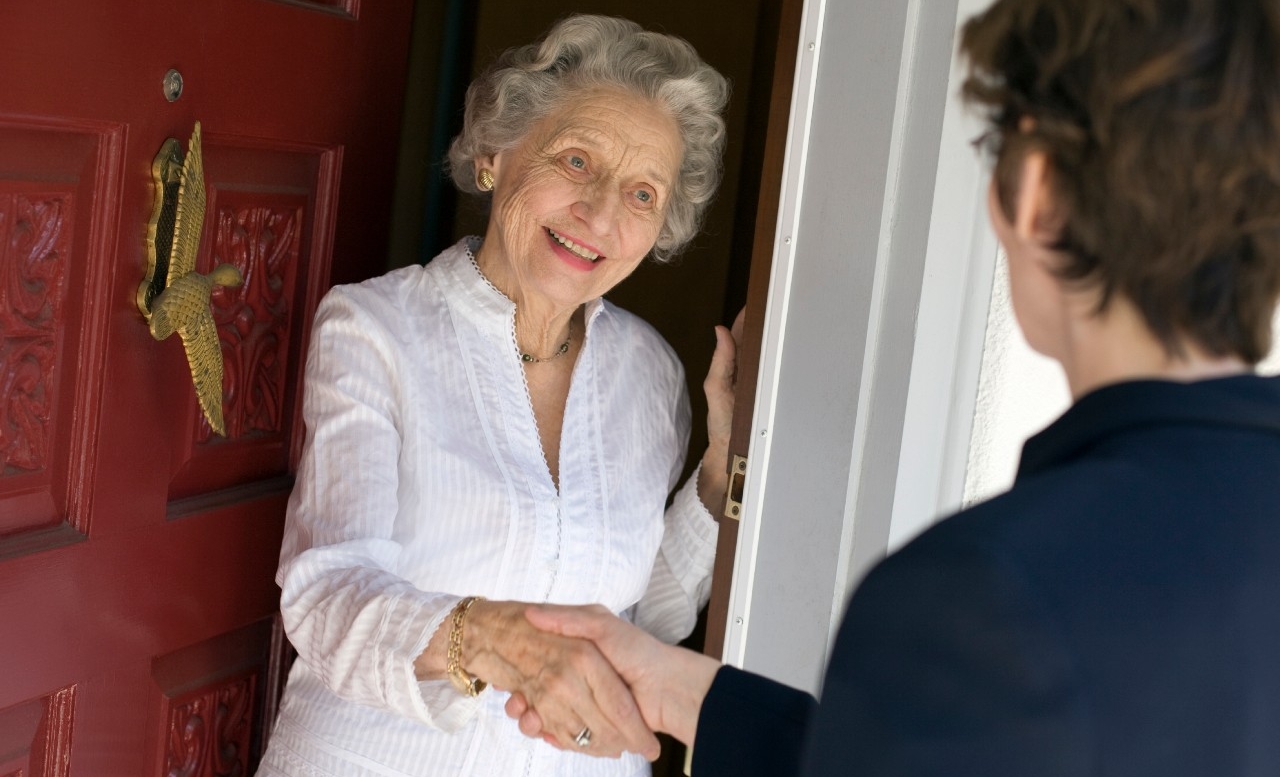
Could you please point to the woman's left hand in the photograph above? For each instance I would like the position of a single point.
(719, 386)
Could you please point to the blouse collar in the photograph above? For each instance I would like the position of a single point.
(478, 299)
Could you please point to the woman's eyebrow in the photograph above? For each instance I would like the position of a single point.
(660, 178)
(580, 136)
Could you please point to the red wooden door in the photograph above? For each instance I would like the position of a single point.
(136, 549)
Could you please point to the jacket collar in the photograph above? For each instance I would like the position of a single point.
(1247, 402)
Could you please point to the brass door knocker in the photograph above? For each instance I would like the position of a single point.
(174, 297)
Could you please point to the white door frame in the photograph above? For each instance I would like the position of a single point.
(874, 323)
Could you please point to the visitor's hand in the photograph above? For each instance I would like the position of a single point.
(719, 386)
(668, 683)
(568, 680)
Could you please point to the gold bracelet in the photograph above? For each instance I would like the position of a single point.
(463, 680)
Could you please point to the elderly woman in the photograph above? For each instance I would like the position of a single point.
(487, 431)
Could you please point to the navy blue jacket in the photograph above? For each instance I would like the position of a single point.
(1117, 612)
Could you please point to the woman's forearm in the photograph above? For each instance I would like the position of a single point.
(713, 480)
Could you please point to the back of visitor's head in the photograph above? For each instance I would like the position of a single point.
(1160, 120)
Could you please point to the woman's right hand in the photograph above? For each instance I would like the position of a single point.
(567, 679)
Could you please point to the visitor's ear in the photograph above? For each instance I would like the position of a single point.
(1037, 217)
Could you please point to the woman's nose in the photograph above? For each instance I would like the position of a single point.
(598, 207)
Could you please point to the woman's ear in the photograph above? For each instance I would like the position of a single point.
(1036, 215)
(487, 162)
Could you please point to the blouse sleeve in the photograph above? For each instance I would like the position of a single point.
(680, 583)
(356, 623)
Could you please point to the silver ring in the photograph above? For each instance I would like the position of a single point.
(583, 739)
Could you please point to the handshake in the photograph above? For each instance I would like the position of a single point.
(583, 679)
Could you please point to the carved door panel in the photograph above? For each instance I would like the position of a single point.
(137, 549)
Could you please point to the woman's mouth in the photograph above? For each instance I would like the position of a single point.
(573, 248)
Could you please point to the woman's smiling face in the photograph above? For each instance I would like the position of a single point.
(579, 203)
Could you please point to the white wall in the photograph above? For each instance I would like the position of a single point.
(1271, 365)
(1020, 393)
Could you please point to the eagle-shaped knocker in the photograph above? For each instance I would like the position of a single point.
(174, 297)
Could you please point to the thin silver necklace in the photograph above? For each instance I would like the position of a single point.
(529, 358)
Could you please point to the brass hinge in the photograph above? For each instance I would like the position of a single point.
(733, 494)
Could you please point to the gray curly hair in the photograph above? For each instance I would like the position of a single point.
(585, 52)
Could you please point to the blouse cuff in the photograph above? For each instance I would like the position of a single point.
(695, 532)
(436, 702)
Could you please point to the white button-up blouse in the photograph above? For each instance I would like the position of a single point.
(423, 480)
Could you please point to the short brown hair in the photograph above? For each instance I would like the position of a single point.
(1161, 123)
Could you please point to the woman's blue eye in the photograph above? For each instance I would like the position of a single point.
(578, 162)
(644, 196)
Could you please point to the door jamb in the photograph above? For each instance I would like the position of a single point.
(852, 302)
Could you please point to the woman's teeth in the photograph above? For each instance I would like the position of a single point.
(576, 250)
